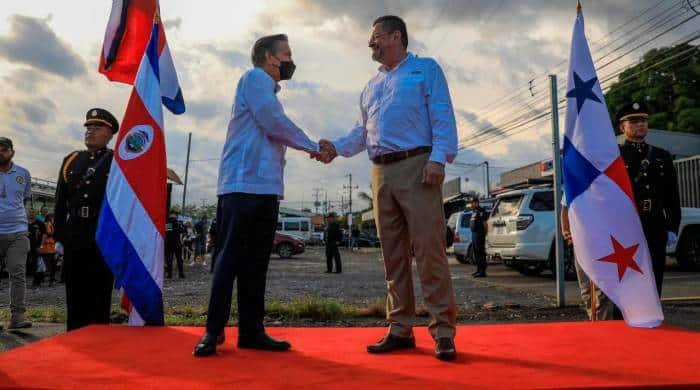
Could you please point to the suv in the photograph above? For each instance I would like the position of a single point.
(521, 232)
(462, 242)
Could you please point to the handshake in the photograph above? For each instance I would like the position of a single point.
(327, 152)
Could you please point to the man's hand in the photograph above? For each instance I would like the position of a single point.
(567, 235)
(327, 153)
(433, 173)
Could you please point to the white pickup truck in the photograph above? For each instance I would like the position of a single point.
(521, 232)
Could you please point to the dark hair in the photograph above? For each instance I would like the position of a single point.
(268, 44)
(391, 23)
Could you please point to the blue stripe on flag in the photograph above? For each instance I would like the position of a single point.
(177, 105)
(152, 51)
(579, 173)
(128, 269)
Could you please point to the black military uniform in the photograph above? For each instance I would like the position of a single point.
(80, 190)
(655, 188)
(333, 237)
(173, 246)
(476, 224)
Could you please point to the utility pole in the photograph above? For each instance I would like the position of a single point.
(488, 180)
(556, 160)
(187, 170)
(349, 217)
(317, 193)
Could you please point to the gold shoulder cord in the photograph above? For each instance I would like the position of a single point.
(67, 164)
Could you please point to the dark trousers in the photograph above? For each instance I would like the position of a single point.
(478, 246)
(332, 253)
(246, 225)
(170, 252)
(89, 284)
(656, 235)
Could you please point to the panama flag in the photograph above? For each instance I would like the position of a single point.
(126, 37)
(131, 227)
(605, 226)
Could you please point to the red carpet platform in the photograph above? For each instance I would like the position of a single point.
(552, 355)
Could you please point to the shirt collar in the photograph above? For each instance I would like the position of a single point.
(383, 68)
(277, 85)
(13, 168)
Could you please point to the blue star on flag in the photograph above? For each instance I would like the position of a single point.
(583, 90)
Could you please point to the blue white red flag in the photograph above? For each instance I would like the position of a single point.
(126, 37)
(605, 226)
(131, 226)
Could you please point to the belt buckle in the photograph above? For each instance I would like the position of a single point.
(85, 212)
(646, 205)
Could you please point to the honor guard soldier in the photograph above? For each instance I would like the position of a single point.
(81, 187)
(653, 178)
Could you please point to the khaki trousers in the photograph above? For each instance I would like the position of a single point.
(410, 213)
(605, 308)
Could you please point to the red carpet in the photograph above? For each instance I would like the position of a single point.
(552, 355)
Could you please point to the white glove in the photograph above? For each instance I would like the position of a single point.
(672, 238)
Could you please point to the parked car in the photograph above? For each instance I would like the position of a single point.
(462, 236)
(687, 248)
(365, 240)
(286, 245)
(521, 232)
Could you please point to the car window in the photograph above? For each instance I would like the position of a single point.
(452, 222)
(291, 226)
(508, 205)
(464, 221)
(304, 226)
(542, 201)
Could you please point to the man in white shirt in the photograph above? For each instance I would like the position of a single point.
(15, 189)
(408, 129)
(249, 188)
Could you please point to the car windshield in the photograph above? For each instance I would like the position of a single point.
(508, 205)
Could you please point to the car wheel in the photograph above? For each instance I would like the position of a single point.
(285, 251)
(688, 250)
(531, 269)
(461, 259)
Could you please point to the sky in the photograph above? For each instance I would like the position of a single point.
(489, 50)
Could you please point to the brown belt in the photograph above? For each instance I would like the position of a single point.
(393, 157)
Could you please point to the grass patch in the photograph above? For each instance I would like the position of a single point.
(308, 307)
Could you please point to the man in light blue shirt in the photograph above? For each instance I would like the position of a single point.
(15, 189)
(408, 129)
(250, 185)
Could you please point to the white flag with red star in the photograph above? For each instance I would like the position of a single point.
(605, 226)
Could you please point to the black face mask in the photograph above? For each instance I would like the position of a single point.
(286, 69)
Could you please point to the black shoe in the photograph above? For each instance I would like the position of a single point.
(263, 342)
(207, 344)
(445, 349)
(392, 343)
(481, 274)
(328, 272)
(168, 276)
(475, 273)
(181, 276)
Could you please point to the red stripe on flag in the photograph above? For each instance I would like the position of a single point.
(618, 173)
(146, 173)
(139, 22)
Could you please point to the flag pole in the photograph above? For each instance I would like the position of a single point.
(594, 303)
(556, 161)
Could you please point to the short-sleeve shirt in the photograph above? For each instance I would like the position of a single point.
(15, 187)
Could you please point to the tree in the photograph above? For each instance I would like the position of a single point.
(667, 79)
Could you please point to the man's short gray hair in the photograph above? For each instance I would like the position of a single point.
(268, 44)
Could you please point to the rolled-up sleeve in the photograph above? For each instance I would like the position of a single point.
(442, 119)
(356, 140)
(270, 117)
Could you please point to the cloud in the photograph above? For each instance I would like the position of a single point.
(233, 58)
(32, 42)
(173, 24)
